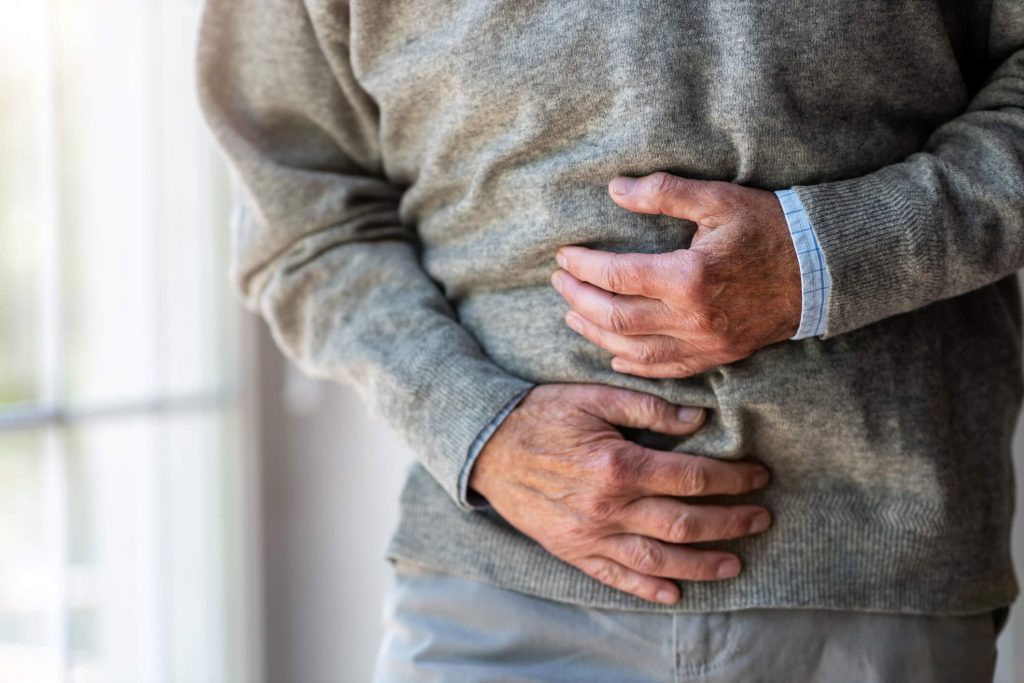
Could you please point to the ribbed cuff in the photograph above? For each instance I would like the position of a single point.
(471, 499)
(881, 257)
(456, 397)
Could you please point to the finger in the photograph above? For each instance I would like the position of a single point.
(649, 349)
(664, 193)
(613, 574)
(669, 370)
(649, 275)
(619, 313)
(652, 557)
(667, 519)
(629, 408)
(670, 473)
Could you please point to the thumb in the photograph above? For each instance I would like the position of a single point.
(664, 193)
(628, 408)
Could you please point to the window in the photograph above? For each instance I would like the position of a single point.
(124, 473)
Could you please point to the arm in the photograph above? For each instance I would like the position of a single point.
(318, 248)
(944, 221)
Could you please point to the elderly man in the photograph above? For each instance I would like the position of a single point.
(701, 318)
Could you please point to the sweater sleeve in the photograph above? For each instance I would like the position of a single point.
(318, 249)
(946, 220)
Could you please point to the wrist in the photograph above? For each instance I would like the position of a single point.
(479, 474)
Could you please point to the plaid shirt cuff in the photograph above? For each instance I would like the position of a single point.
(814, 278)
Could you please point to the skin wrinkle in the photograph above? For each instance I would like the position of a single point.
(577, 513)
(747, 294)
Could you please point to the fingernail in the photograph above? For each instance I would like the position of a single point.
(556, 280)
(760, 522)
(689, 413)
(623, 185)
(761, 479)
(666, 596)
(728, 568)
(572, 319)
(560, 258)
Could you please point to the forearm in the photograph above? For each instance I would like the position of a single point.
(946, 220)
(319, 250)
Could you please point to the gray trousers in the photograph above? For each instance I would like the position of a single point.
(455, 630)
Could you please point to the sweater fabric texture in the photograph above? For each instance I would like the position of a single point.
(406, 172)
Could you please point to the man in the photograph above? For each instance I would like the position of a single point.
(610, 267)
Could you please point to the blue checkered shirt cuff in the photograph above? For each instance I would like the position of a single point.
(814, 278)
(472, 499)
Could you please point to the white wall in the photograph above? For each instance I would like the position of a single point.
(1010, 667)
(330, 487)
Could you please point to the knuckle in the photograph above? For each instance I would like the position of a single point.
(646, 556)
(619, 273)
(646, 354)
(683, 528)
(619, 319)
(694, 478)
(709, 326)
(649, 406)
(739, 525)
(615, 468)
(683, 369)
(717, 323)
(598, 510)
(705, 567)
(604, 571)
(660, 182)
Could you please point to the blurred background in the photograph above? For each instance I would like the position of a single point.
(177, 503)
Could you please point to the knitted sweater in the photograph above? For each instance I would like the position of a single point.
(407, 171)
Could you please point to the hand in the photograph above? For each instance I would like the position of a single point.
(735, 290)
(558, 471)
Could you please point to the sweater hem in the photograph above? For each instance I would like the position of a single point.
(841, 557)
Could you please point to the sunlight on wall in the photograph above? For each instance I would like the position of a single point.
(122, 470)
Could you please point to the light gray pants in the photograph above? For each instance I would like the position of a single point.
(455, 630)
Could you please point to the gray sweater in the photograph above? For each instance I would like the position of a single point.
(407, 170)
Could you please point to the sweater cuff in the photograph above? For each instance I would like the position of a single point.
(881, 256)
(457, 394)
(471, 500)
(815, 282)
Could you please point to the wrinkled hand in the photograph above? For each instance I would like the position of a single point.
(558, 471)
(735, 290)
